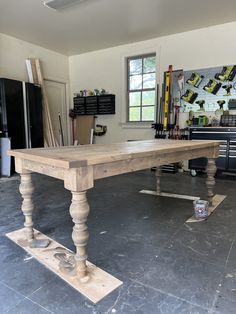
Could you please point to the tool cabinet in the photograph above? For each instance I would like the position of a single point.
(227, 158)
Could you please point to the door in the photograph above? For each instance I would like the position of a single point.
(35, 115)
(56, 93)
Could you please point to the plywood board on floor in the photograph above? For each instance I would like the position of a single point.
(182, 196)
(217, 199)
(100, 284)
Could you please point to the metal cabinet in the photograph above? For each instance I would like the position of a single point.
(227, 158)
(21, 118)
(232, 155)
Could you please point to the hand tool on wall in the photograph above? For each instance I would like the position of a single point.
(72, 115)
(176, 122)
(158, 126)
(167, 96)
(180, 79)
(177, 103)
(61, 130)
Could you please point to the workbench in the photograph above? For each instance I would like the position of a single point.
(80, 166)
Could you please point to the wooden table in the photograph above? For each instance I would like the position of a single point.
(80, 166)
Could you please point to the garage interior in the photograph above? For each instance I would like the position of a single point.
(125, 101)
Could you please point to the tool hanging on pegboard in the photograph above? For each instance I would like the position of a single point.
(163, 117)
(167, 97)
(167, 125)
(100, 130)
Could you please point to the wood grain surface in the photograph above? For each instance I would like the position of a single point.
(84, 155)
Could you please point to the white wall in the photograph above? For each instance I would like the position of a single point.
(55, 66)
(13, 53)
(207, 47)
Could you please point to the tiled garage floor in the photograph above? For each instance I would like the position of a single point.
(167, 266)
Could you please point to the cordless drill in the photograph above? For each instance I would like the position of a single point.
(221, 104)
(227, 87)
(201, 105)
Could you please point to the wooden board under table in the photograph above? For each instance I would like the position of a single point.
(80, 166)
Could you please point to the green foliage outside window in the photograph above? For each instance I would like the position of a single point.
(141, 88)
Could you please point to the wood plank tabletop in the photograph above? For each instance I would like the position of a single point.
(83, 155)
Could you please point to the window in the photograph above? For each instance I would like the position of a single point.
(141, 88)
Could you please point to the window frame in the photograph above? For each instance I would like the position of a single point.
(128, 90)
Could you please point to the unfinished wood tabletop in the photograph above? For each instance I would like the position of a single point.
(85, 155)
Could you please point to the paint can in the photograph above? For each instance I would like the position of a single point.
(200, 209)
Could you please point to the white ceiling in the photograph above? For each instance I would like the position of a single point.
(97, 24)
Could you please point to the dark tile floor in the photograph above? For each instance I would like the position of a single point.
(167, 266)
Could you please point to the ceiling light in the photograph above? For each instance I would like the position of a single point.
(60, 4)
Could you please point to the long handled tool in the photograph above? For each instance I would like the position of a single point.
(61, 130)
(167, 98)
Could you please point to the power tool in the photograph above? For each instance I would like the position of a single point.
(189, 96)
(190, 118)
(201, 105)
(202, 120)
(227, 74)
(195, 79)
(100, 130)
(212, 86)
(227, 87)
(221, 104)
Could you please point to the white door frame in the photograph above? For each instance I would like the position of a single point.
(67, 106)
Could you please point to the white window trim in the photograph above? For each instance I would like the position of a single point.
(136, 125)
(123, 119)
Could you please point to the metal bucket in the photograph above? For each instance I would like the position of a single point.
(200, 209)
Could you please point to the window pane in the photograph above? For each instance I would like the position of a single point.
(134, 114)
(135, 99)
(135, 66)
(148, 98)
(149, 64)
(149, 80)
(148, 114)
(135, 82)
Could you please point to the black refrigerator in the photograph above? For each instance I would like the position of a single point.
(21, 117)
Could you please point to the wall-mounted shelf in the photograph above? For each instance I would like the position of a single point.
(94, 105)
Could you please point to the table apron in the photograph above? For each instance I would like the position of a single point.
(135, 164)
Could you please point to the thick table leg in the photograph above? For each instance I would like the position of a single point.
(210, 182)
(79, 211)
(158, 180)
(26, 190)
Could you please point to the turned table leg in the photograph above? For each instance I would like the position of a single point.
(79, 211)
(210, 182)
(158, 180)
(26, 190)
